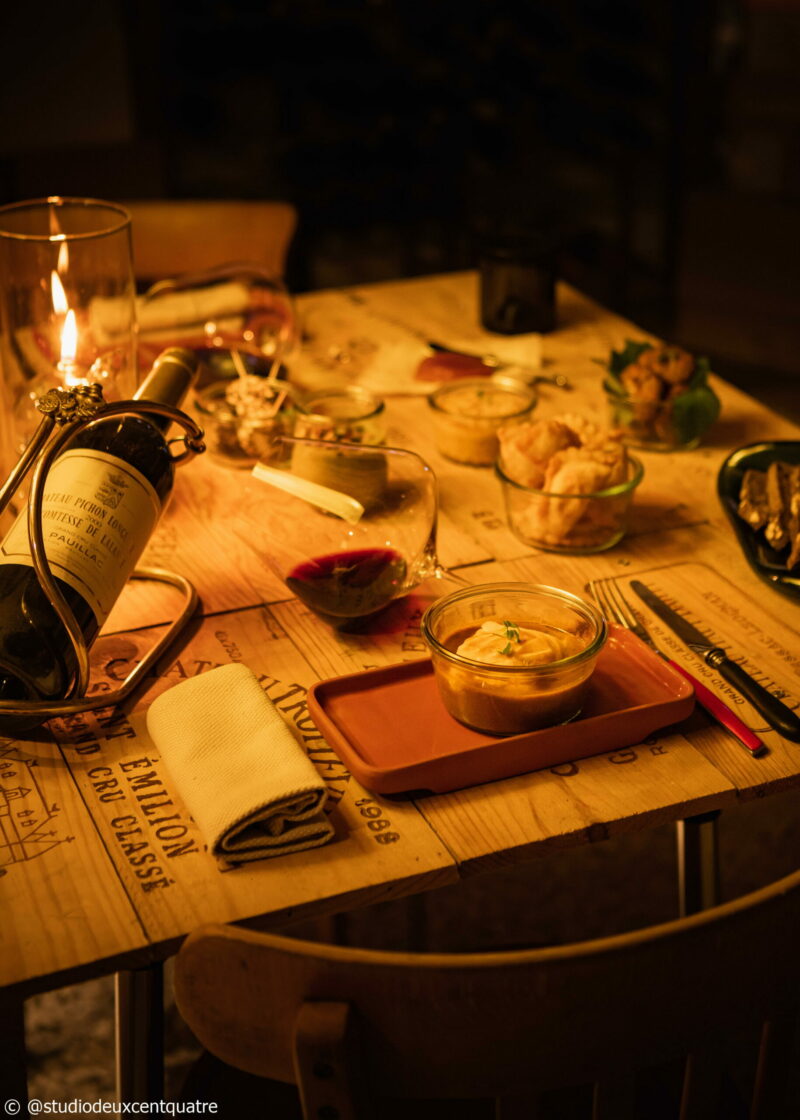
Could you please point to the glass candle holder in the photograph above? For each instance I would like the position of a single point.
(67, 306)
(467, 415)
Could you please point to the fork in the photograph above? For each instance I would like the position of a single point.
(609, 597)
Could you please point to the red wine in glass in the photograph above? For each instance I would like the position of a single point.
(349, 584)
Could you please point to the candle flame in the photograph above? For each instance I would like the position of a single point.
(69, 340)
(69, 333)
(60, 304)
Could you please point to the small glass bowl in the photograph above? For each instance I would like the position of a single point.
(350, 415)
(676, 424)
(467, 415)
(241, 435)
(510, 700)
(574, 523)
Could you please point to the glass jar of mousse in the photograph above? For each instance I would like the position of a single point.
(506, 696)
(468, 413)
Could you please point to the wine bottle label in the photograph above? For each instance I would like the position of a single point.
(97, 515)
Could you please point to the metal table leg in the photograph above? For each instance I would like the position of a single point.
(13, 1075)
(139, 998)
(698, 862)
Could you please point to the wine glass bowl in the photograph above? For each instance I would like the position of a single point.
(242, 308)
(346, 570)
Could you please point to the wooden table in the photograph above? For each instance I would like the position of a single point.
(101, 868)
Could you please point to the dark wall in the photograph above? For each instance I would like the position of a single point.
(407, 130)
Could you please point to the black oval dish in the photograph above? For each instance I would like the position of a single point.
(764, 561)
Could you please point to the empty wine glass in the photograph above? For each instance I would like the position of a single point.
(348, 565)
(241, 308)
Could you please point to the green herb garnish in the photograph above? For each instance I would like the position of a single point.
(512, 635)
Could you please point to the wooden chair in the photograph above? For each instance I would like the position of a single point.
(174, 236)
(349, 1025)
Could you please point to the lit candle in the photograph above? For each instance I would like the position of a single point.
(69, 347)
(67, 365)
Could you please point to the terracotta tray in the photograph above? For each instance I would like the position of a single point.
(391, 729)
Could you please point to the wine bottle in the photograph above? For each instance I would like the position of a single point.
(102, 499)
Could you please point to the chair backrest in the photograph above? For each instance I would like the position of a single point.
(171, 237)
(494, 1024)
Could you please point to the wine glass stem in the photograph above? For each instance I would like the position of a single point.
(441, 572)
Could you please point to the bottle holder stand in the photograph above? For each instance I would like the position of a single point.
(73, 410)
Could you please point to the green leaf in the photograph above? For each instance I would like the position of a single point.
(693, 412)
(702, 368)
(619, 360)
(512, 634)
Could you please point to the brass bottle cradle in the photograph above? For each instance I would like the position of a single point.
(65, 412)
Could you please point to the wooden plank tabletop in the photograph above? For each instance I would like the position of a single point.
(63, 905)
(76, 898)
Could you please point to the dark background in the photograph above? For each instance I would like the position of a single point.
(657, 142)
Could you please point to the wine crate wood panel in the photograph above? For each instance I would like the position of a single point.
(205, 535)
(581, 802)
(64, 908)
(757, 628)
(156, 848)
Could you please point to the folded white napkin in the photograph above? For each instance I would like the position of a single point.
(244, 777)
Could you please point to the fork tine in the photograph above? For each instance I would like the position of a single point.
(625, 611)
(597, 592)
(612, 602)
(598, 589)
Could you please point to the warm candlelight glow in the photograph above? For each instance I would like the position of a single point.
(69, 333)
(69, 340)
(60, 305)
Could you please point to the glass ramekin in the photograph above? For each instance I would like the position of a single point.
(675, 424)
(468, 413)
(240, 439)
(574, 523)
(511, 700)
(349, 415)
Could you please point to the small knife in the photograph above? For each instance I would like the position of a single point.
(492, 362)
(778, 716)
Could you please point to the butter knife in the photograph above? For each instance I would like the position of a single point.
(493, 362)
(778, 716)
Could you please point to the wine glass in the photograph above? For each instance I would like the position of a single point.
(238, 317)
(67, 307)
(346, 565)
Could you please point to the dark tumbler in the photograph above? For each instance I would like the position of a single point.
(518, 283)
